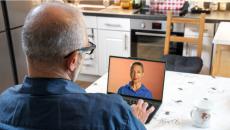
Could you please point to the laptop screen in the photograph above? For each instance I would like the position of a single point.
(136, 78)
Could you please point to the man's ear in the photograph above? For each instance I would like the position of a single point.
(72, 61)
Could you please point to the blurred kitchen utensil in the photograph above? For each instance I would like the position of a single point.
(214, 6)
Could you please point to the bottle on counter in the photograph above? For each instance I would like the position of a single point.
(136, 4)
(125, 4)
(117, 2)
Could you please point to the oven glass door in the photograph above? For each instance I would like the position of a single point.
(150, 45)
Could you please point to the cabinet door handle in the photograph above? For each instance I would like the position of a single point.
(112, 25)
(149, 34)
(125, 38)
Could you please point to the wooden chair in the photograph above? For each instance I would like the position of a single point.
(181, 63)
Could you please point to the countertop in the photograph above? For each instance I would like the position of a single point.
(222, 34)
(117, 11)
(215, 17)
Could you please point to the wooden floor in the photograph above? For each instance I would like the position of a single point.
(83, 84)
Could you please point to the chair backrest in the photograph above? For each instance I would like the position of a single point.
(200, 22)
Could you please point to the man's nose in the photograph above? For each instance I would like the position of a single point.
(135, 74)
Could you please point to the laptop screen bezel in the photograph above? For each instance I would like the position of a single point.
(137, 59)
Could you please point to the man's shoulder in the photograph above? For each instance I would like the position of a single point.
(11, 90)
(126, 86)
(144, 88)
(146, 91)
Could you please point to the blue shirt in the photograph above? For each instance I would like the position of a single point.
(58, 104)
(141, 92)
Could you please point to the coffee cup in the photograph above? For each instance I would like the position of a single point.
(201, 113)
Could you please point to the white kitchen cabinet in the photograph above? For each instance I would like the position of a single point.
(113, 39)
(90, 65)
(190, 50)
(91, 21)
(111, 36)
(114, 43)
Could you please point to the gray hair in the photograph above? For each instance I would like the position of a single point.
(47, 38)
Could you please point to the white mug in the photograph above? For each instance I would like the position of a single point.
(201, 114)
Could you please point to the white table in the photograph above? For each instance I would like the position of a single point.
(188, 88)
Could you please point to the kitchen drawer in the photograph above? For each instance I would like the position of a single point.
(114, 23)
(91, 21)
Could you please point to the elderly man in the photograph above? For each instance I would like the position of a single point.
(55, 41)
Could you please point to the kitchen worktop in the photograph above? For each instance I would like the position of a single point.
(215, 17)
(117, 11)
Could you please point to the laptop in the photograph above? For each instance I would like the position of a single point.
(135, 79)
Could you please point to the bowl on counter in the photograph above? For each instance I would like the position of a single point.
(198, 10)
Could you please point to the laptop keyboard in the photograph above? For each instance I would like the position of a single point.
(130, 102)
(133, 101)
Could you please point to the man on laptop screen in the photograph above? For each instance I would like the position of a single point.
(135, 86)
(137, 79)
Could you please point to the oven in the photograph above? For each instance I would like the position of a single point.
(148, 36)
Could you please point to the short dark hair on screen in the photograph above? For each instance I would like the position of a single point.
(137, 63)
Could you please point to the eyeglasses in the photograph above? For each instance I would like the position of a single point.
(87, 50)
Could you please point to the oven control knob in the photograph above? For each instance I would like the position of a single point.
(142, 25)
